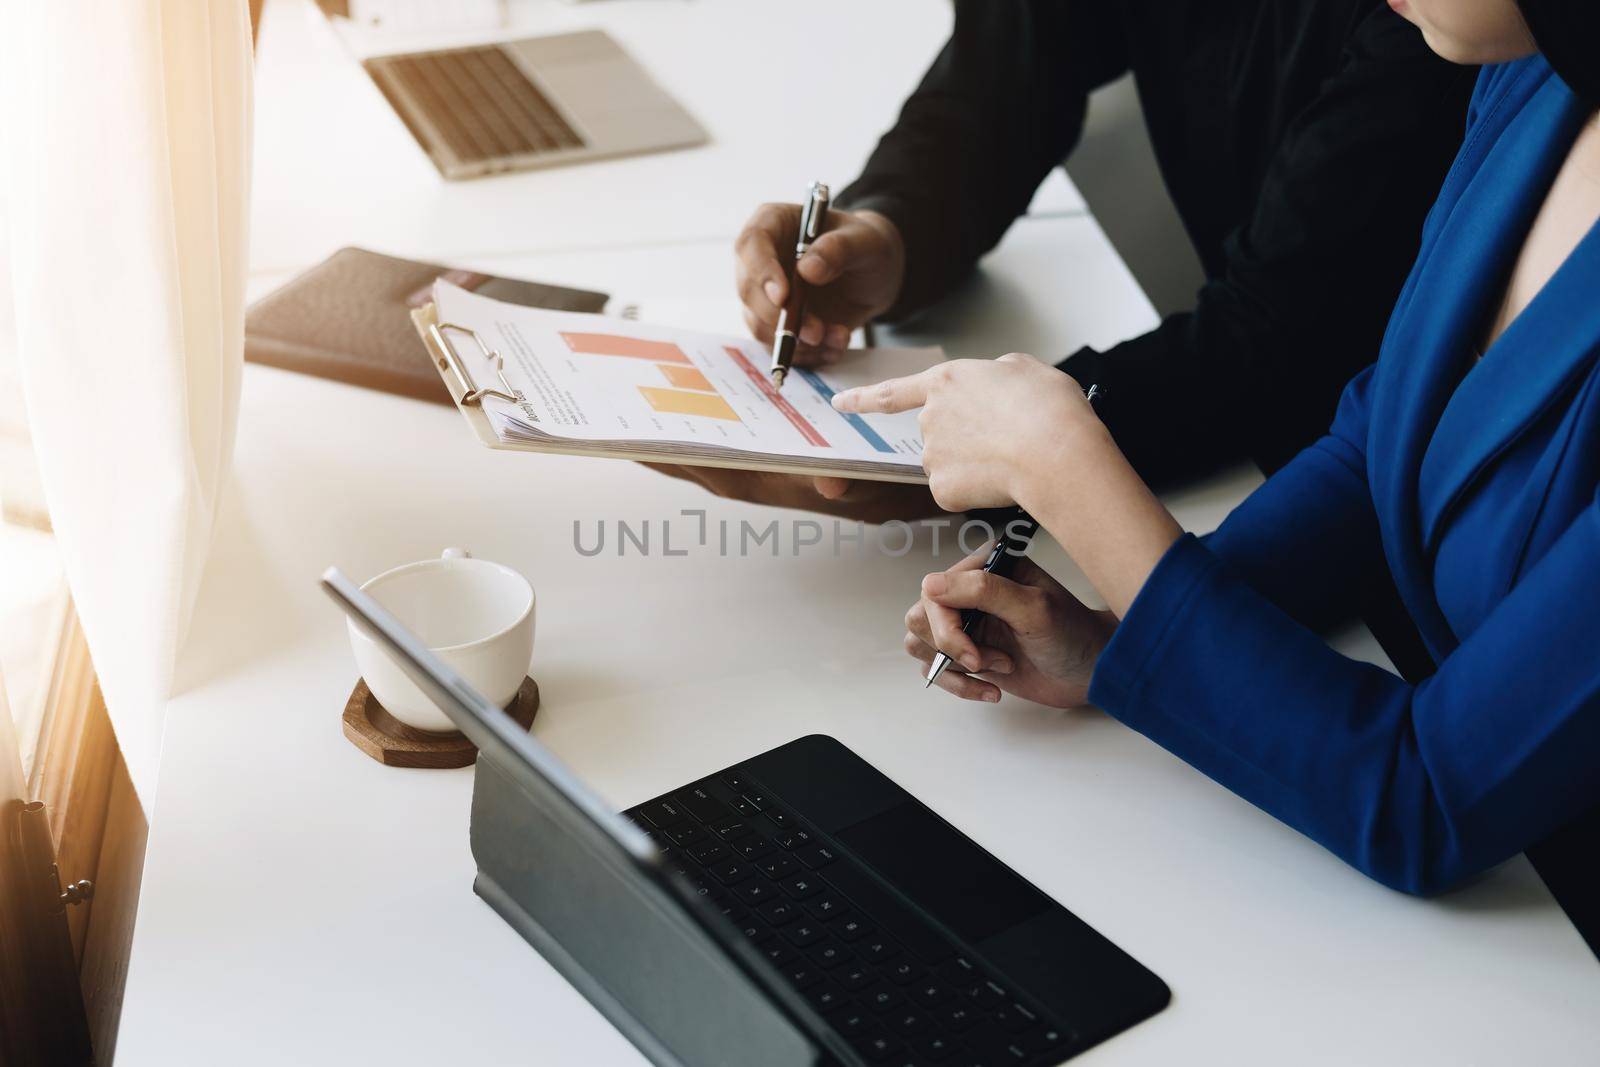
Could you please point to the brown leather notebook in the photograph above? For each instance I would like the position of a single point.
(349, 319)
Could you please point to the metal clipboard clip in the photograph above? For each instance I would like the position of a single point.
(470, 393)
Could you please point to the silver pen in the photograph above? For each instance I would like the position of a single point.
(813, 214)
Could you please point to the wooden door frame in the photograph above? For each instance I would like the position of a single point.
(42, 1020)
(97, 823)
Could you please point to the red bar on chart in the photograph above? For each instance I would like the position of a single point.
(610, 344)
(808, 431)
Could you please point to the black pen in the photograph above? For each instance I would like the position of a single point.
(1015, 535)
(813, 214)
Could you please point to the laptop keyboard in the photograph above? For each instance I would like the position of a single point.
(477, 99)
(897, 989)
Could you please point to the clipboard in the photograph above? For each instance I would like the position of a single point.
(468, 395)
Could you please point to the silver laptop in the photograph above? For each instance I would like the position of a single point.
(535, 102)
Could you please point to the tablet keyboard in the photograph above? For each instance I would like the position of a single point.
(898, 989)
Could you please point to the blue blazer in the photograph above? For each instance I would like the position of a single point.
(1474, 483)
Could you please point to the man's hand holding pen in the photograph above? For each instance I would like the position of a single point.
(853, 271)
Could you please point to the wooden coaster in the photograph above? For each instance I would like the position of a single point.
(390, 741)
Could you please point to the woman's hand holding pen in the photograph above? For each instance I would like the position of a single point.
(1016, 431)
(1036, 640)
(854, 271)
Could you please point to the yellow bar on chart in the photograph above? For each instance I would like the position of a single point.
(686, 377)
(678, 402)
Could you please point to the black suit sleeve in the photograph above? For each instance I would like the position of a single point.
(1307, 282)
(1001, 105)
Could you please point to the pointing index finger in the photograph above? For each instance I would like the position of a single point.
(887, 397)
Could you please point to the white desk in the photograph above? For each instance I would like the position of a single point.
(304, 905)
(335, 166)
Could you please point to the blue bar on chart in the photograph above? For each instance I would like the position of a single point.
(856, 421)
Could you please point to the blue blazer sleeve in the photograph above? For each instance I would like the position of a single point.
(1308, 537)
(1418, 786)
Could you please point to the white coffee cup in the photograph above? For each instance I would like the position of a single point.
(475, 615)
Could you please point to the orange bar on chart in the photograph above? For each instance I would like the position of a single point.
(610, 344)
(686, 377)
(677, 402)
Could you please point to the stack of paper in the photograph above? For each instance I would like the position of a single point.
(595, 385)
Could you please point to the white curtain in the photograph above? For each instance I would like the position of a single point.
(127, 164)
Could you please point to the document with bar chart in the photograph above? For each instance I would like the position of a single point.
(556, 381)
